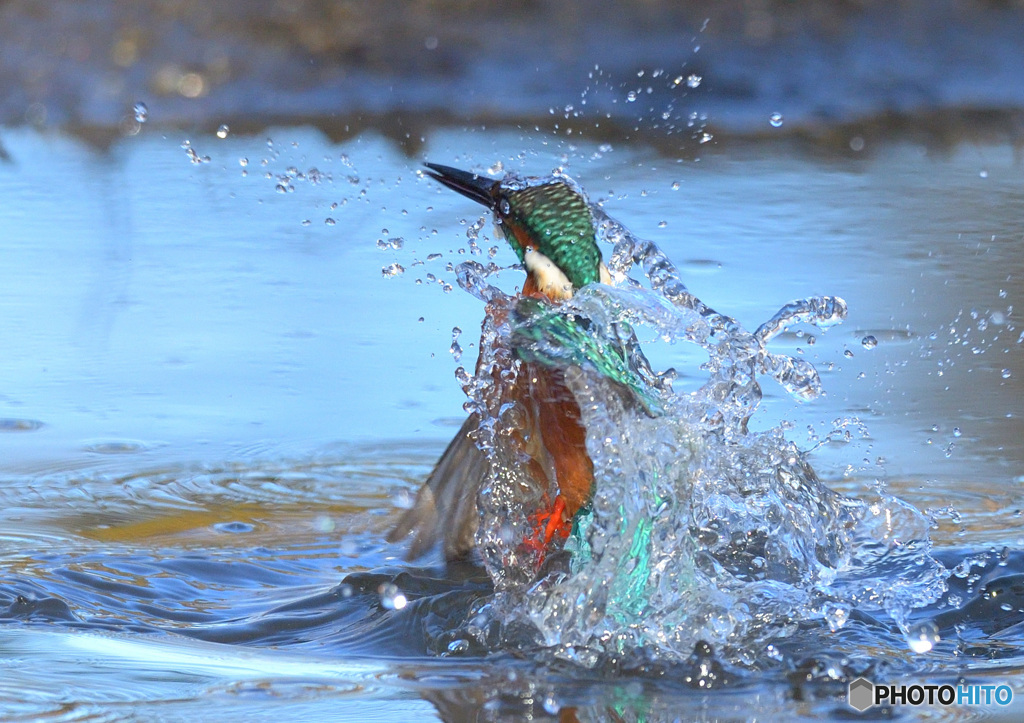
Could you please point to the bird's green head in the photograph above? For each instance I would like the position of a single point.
(547, 222)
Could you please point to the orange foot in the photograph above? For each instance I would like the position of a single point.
(546, 525)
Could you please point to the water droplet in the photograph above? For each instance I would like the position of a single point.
(243, 162)
(329, 221)
(922, 637)
(963, 568)
(836, 615)
(857, 144)
(869, 342)
(848, 354)
(395, 244)
(631, 96)
(776, 120)
(956, 431)
(675, 186)
(402, 499)
(141, 112)
(693, 80)
(1006, 373)
(458, 646)
(551, 706)
(223, 131)
(455, 349)
(983, 173)
(391, 598)
(191, 153)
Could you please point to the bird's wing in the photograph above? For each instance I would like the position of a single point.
(445, 507)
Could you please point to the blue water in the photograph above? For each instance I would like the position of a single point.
(215, 411)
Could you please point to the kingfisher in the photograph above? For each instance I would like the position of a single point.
(552, 230)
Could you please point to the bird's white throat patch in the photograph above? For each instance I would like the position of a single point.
(551, 281)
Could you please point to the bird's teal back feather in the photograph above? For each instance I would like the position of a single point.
(543, 335)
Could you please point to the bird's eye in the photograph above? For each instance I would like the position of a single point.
(503, 207)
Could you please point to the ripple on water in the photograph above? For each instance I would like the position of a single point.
(20, 425)
(272, 595)
(165, 675)
(702, 266)
(116, 446)
(234, 527)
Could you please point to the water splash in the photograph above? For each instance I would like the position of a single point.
(699, 531)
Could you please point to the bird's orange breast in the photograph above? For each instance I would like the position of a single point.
(559, 422)
(552, 432)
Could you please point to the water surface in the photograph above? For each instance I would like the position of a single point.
(213, 410)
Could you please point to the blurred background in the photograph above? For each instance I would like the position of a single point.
(944, 69)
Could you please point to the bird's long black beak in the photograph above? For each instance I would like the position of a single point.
(470, 185)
